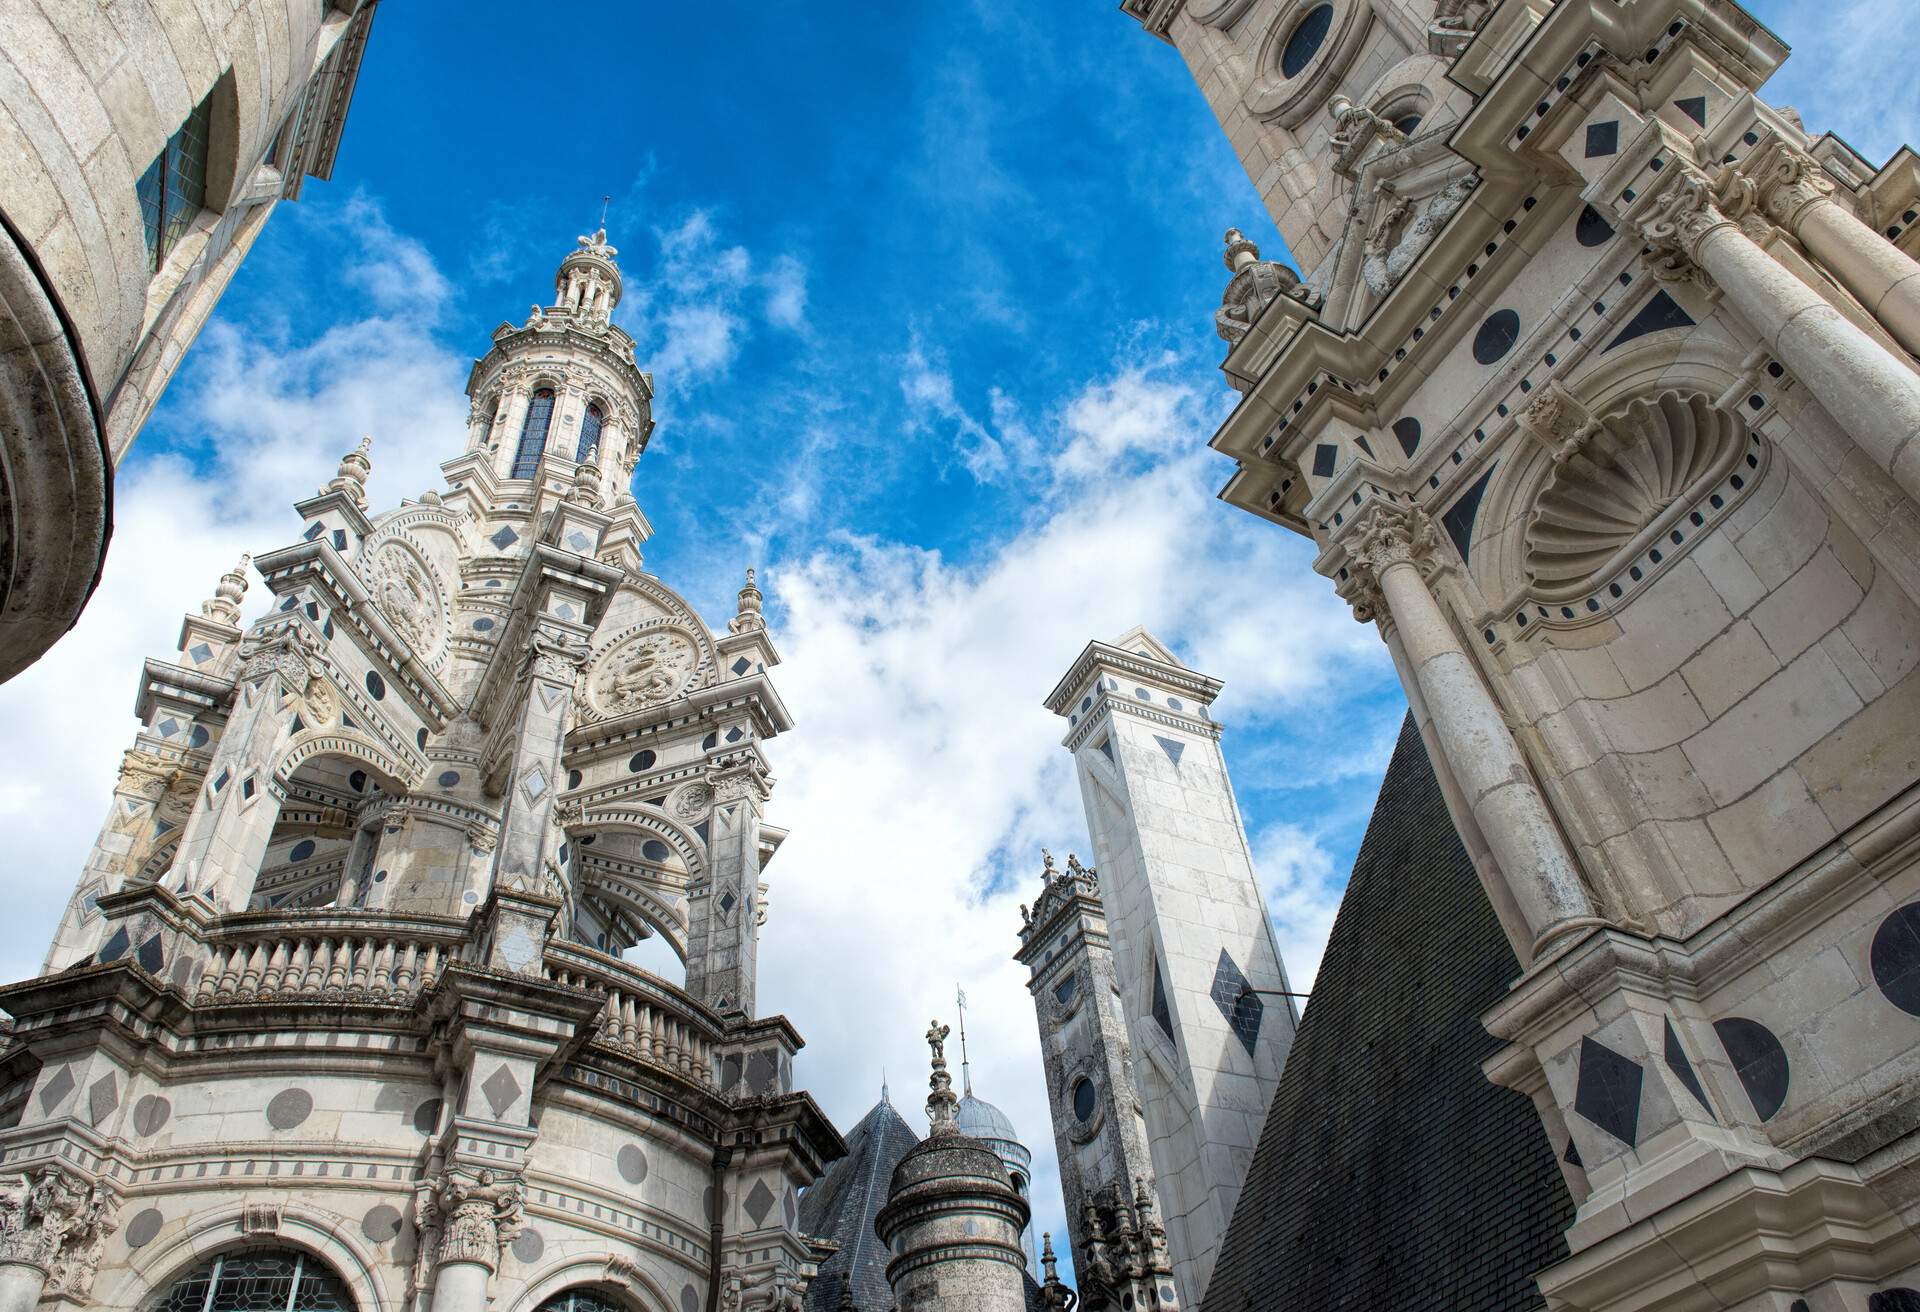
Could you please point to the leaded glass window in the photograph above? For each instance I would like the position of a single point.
(580, 1300)
(173, 190)
(533, 434)
(589, 431)
(257, 1280)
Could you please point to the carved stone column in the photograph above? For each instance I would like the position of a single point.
(1394, 547)
(1871, 394)
(529, 841)
(53, 1232)
(226, 836)
(475, 1216)
(723, 923)
(1789, 187)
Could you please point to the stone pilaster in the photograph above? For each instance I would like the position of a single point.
(226, 837)
(150, 789)
(529, 840)
(723, 908)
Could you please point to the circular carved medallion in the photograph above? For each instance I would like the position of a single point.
(404, 586)
(644, 670)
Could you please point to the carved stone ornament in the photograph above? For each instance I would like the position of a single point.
(1403, 229)
(1255, 285)
(57, 1221)
(1387, 535)
(1355, 127)
(693, 801)
(142, 774)
(1785, 181)
(1679, 219)
(283, 652)
(1558, 421)
(1454, 24)
(477, 1216)
(645, 669)
(407, 590)
(1637, 462)
(555, 656)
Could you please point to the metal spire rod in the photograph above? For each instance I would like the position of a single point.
(604, 201)
(966, 1071)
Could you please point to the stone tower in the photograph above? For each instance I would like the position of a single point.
(150, 143)
(1201, 981)
(346, 958)
(953, 1221)
(1599, 400)
(1099, 1127)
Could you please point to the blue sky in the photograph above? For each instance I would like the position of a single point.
(927, 293)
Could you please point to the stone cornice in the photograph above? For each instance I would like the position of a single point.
(1142, 669)
(753, 693)
(193, 690)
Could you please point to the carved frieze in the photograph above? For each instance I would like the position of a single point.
(642, 669)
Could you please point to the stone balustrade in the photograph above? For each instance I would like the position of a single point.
(645, 1017)
(328, 957)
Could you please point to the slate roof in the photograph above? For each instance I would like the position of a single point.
(1390, 1172)
(841, 1206)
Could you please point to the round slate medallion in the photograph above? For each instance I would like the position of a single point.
(528, 1246)
(143, 1227)
(426, 1116)
(381, 1223)
(1895, 958)
(150, 1114)
(632, 1163)
(289, 1108)
(689, 1301)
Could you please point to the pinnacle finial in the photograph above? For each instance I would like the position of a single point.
(749, 616)
(586, 480)
(942, 1106)
(1241, 251)
(224, 604)
(351, 478)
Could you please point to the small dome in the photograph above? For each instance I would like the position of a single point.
(982, 1120)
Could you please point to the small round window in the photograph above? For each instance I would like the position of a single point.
(1083, 1100)
(1309, 34)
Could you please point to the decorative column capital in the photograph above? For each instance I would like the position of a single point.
(281, 652)
(144, 775)
(1785, 180)
(1386, 534)
(1677, 218)
(558, 657)
(477, 1216)
(57, 1221)
(739, 775)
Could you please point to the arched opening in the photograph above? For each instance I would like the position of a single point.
(257, 1280)
(533, 433)
(590, 431)
(583, 1299)
(326, 844)
(629, 899)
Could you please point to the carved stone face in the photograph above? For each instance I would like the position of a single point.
(644, 670)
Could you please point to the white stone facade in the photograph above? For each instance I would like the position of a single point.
(1604, 407)
(341, 983)
(95, 313)
(1202, 986)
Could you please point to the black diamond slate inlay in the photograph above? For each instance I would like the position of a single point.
(727, 901)
(1694, 107)
(1609, 1090)
(1759, 1061)
(501, 1090)
(759, 1202)
(1324, 457)
(151, 955)
(1162, 1015)
(57, 1088)
(1660, 313)
(1237, 1002)
(1172, 748)
(1106, 747)
(1572, 1156)
(1676, 1059)
(115, 947)
(1602, 139)
(1459, 517)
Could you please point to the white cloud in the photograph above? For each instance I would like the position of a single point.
(698, 310)
(1303, 894)
(785, 282)
(394, 270)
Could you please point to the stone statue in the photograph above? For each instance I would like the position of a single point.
(937, 1040)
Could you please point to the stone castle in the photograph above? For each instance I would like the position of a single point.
(1599, 398)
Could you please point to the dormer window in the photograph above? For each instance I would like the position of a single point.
(533, 434)
(173, 190)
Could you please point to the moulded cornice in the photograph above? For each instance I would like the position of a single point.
(1117, 660)
(753, 693)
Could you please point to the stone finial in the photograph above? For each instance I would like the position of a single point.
(846, 1303)
(586, 480)
(224, 604)
(1241, 251)
(943, 1108)
(1053, 1294)
(352, 476)
(749, 616)
(1047, 873)
(597, 244)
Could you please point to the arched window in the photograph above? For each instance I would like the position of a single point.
(533, 434)
(173, 190)
(581, 1300)
(589, 431)
(257, 1280)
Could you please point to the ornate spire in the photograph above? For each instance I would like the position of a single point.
(586, 480)
(1256, 284)
(352, 476)
(1053, 1294)
(224, 604)
(966, 1069)
(1241, 252)
(749, 616)
(942, 1106)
